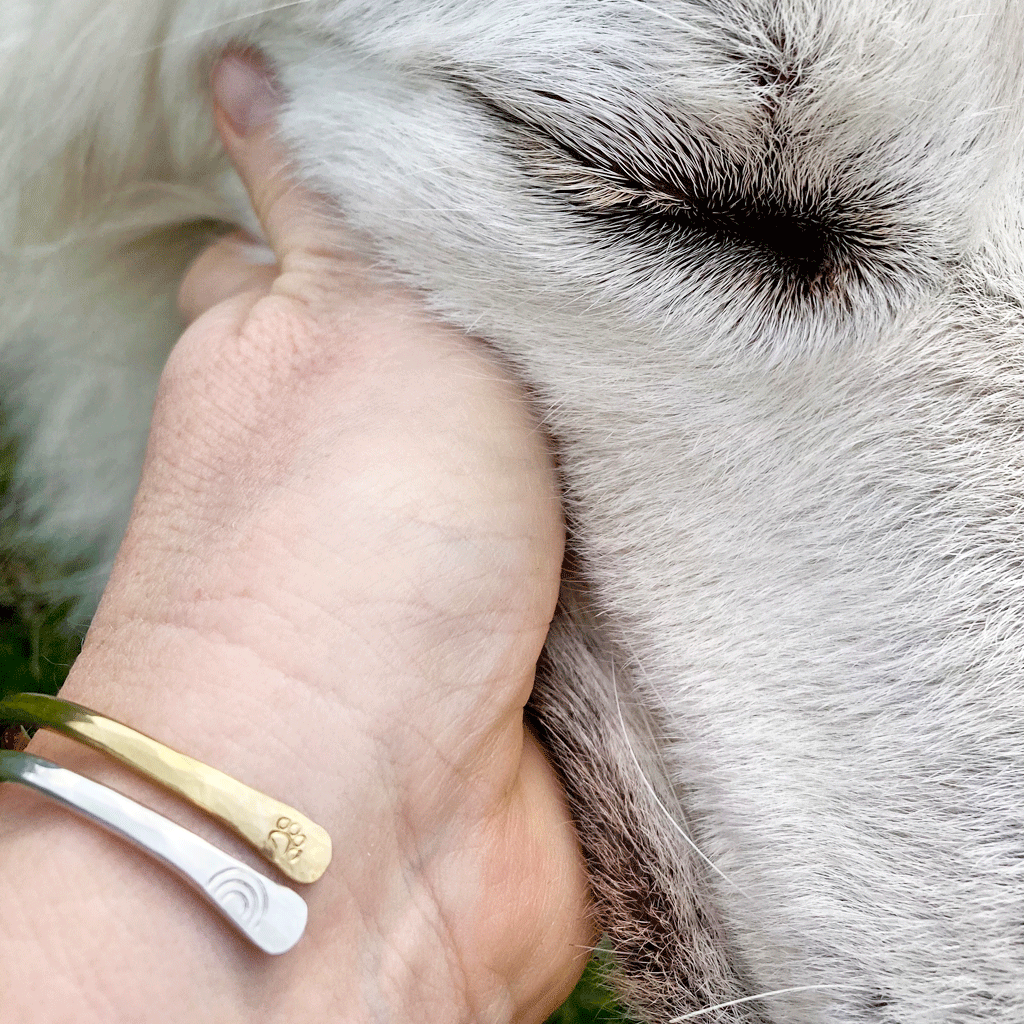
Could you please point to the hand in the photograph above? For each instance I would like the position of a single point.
(339, 573)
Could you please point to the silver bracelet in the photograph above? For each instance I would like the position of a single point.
(271, 916)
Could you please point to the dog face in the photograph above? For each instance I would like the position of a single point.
(761, 263)
(762, 266)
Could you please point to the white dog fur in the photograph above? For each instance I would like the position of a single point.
(762, 264)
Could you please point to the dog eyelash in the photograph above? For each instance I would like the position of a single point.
(799, 237)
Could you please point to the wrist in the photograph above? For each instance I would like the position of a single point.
(115, 919)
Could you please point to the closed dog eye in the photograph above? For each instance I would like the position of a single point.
(801, 241)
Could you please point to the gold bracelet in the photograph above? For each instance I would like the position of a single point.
(282, 835)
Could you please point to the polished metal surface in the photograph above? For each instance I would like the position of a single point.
(298, 847)
(269, 915)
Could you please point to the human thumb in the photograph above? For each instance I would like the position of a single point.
(247, 101)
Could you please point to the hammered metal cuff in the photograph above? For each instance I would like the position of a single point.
(282, 835)
(271, 916)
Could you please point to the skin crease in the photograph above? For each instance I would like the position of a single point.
(336, 582)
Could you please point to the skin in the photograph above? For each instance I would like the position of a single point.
(338, 576)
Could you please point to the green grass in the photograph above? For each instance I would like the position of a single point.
(37, 645)
(590, 1002)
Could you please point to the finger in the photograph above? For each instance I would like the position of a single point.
(247, 101)
(232, 266)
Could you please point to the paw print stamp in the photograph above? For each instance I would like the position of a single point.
(287, 838)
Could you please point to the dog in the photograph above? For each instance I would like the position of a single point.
(761, 264)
